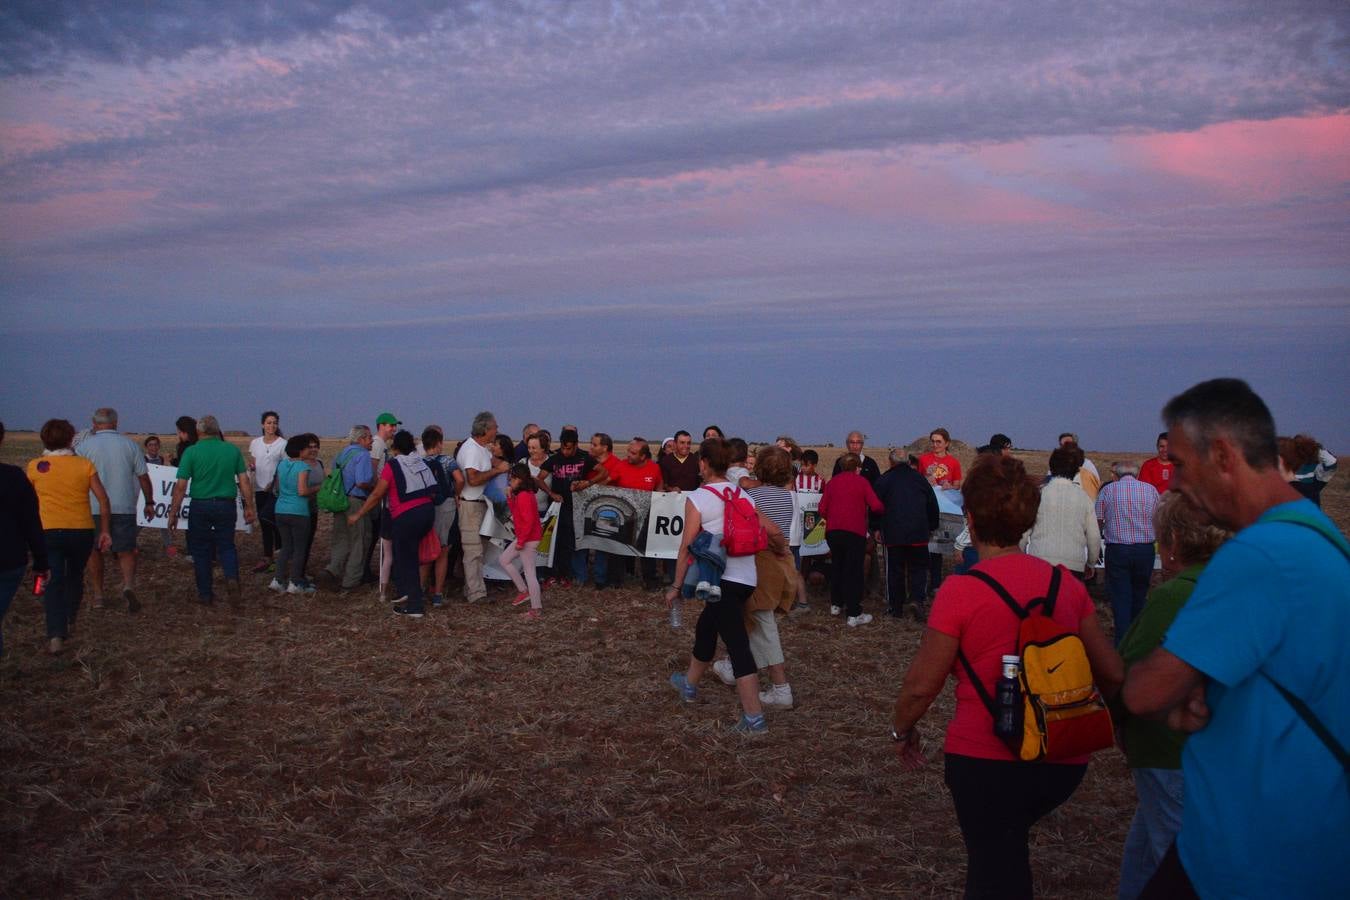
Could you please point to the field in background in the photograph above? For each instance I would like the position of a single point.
(321, 745)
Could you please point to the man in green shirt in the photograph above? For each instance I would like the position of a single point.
(218, 475)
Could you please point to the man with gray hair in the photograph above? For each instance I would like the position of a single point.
(218, 475)
(1256, 665)
(1125, 509)
(347, 552)
(476, 462)
(121, 468)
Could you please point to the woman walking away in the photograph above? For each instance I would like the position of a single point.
(704, 513)
(63, 482)
(997, 795)
(412, 489)
(1186, 541)
(292, 518)
(265, 454)
(529, 529)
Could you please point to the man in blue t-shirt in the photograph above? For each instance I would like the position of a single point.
(1267, 805)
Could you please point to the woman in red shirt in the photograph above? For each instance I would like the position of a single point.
(997, 796)
(412, 489)
(844, 505)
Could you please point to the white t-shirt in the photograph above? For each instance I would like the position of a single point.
(740, 569)
(473, 455)
(379, 451)
(542, 496)
(266, 458)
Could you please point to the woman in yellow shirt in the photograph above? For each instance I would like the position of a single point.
(63, 482)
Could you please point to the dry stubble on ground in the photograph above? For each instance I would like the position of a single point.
(322, 746)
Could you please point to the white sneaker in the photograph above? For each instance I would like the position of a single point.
(778, 696)
(714, 593)
(277, 586)
(295, 589)
(835, 610)
(855, 621)
(722, 669)
(701, 590)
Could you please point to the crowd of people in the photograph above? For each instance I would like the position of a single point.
(1229, 681)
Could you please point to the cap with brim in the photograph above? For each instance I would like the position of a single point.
(387, 418)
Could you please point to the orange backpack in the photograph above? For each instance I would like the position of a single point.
(1063, 713)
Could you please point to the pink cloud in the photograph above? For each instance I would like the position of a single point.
(1252, 160)
(60, 216)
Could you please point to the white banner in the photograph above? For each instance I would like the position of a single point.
(162, 480)
(500, 533)
(812, 525)
(665, 525)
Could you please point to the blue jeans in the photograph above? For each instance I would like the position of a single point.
(9, 586)
(1128, 570)
(600, 569)
(211, 534)
(1157, 819)
(68, 550)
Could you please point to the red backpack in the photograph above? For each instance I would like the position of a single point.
(742, 533)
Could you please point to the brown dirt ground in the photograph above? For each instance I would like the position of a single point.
(321, 746)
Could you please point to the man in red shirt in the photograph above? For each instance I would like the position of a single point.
(1158, 470)
(638, 472)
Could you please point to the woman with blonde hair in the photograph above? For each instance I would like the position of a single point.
(1186, 541)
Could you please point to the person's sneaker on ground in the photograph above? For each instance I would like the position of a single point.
(835, 610)
(171, 550)
(688, 692)
(860, 619)
(133, 602)
(521, 598)
(722, 669)
(751, 725)
(295, 588)
(277, 586)
(307, 587)
(778, 696)
(532, 615)
(437, 601)
(403, 608)
(702, 590)
(799, 606)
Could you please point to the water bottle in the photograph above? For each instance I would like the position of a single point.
(676, 617)
(1008, 700)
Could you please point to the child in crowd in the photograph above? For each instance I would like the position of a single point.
(807, 479)
(529, 529)
(154, 456)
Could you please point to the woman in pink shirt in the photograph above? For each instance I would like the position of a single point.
(997, 797)
(844, 504)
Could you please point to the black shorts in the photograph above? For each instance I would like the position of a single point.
(386, 523)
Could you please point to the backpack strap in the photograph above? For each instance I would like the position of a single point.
(980, 689)
(1003, 592)
(1334, 537)
(1310, 719)
(726, 496)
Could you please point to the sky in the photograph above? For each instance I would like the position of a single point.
(782, 217)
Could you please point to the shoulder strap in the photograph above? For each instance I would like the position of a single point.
(342, 458)
(1002, 592)
(1052, 592)
(980, 689)
(1310, 719)
(1335, 537)
(725, 496)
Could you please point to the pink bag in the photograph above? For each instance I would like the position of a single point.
(429, 547)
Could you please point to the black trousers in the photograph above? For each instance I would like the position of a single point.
(847, 553)
(726, 619)
(997, 802)
(906, 569)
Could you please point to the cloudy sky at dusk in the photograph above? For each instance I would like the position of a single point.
(779, 216)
